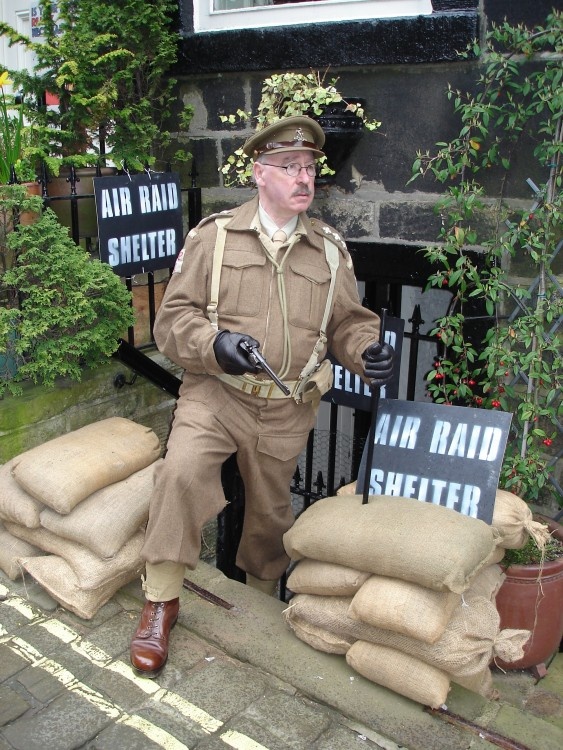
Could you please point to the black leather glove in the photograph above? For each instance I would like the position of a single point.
(378, 364)
(230, 357)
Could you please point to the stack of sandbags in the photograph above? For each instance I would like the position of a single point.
(78, 505)
(404, 589)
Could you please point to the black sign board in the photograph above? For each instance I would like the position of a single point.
(348, 389)
(139, 221)
(447, 455)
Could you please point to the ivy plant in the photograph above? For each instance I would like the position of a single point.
(286, 95)
(501, 257)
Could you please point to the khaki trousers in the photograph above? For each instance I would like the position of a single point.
(212, 421)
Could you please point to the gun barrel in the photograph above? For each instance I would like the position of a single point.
(258, 360)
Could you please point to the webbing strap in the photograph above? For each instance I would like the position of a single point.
(221, 222)
(332, 258)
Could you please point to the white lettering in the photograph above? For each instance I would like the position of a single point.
(403, 435)
(376, 477)
(147, 246)
(491, 444)
(463, 498)
(113, 251)
(163, 197)
(485, 449)
(441, 432)
(116, 202)
(338, 376)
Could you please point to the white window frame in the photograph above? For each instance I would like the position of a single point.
(206, 19)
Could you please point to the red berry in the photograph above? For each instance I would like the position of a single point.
(548, 441)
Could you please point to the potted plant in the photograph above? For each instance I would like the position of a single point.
(499, 258)
(288, 94)
(60, 311)
(531, 595)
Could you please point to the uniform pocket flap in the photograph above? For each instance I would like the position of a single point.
(283, 447)
(316, 274)
(242, 259)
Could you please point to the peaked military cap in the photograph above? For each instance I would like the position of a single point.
(297, 133)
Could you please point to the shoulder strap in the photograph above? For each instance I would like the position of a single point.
(332, 258)
(221, 222)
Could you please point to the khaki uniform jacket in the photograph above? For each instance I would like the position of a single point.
(249, 297)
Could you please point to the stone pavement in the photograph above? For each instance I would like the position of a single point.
(236, 678)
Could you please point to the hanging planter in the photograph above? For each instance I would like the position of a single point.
(289, 94)
(343, 130)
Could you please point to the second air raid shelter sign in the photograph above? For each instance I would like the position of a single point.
(447, 455)
(139, 221)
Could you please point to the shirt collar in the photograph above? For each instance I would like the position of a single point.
(270, 227)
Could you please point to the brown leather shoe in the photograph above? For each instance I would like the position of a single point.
(149, 647)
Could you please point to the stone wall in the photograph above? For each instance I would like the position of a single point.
(41, 414)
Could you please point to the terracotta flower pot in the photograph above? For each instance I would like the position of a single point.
(531, 598)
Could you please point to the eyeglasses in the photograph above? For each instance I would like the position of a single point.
(294, 169)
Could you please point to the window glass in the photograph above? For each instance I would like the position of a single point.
(216, 15)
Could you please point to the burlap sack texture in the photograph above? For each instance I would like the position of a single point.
(460, 646)
(104, 521)
(399, 537)
(83, 498)
(12, 550)
(15, 503)
(400, 672)
(63, 471)
(315, 577)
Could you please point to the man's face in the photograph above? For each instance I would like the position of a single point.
(281, 195)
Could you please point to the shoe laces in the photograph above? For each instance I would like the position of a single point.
(156, 610)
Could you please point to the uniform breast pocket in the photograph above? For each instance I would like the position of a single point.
(308, 291)
(242, 281)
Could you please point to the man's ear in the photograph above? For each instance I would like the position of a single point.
(258, 170)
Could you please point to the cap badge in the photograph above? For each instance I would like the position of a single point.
(299, 135)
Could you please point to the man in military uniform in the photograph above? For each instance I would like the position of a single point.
(237, 284)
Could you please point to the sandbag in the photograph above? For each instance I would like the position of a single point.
(315, 577)
(12, 550)
(399, 672)
(57, 577)
(404, 607)
(318, 638)
(15, 503)
(487, 582)
(105, 520)
(513, 520)
(398, 537)
(90, 571)
(64, 471)
(470, 642)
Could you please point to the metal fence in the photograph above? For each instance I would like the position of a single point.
(332, 455)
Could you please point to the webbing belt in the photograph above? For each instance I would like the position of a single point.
(258, 388)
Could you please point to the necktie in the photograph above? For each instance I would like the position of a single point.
(279, 237)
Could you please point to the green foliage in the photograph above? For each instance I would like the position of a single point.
(61, 310)
(531, 554)
(518, 366)
(108, 65)
(286, 95)
(11, 126)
